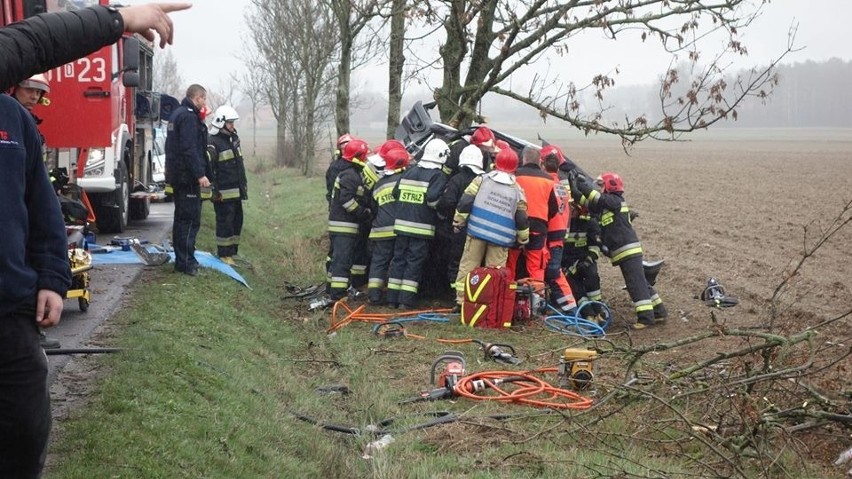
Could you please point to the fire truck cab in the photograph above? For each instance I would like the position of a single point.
(100, 120)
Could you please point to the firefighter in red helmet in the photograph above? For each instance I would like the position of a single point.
(382, 236)
(348, 214)
(622, 243)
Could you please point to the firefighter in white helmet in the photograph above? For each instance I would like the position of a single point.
(228, 181)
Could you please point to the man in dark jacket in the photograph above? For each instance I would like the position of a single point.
(186, 171)
(34, 269)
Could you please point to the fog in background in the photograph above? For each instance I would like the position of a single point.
(813, 91)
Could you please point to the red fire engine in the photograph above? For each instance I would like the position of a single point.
(99, 123)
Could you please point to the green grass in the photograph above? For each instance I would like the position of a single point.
(212, 372)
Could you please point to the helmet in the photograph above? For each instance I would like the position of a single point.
(502, 145)
(224, 114)
(396, 158)
(343, 140)
(552, 150)
(506, 160)
(471, 157)
(355, 149)
(483, 137)
(376, 160)
(436, 153)
(39, 82)
(389, 145)
(611, 182)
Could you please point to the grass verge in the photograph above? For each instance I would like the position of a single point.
(213, 373)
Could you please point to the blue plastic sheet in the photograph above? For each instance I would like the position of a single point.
(113, 255)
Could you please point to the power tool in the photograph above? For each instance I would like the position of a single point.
(454, 369)
(576, 368)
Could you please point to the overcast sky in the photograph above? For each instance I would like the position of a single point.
(209, 36)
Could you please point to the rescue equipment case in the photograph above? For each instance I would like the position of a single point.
(489, 298)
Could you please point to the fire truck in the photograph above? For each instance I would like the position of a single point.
(100, 121)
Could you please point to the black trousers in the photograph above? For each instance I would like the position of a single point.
(380, 259)
(409, 256)
(343, 256)
(187, 222)
(638, 288)
(24, 397)
(229, 225)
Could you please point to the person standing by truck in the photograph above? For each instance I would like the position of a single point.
(186, 172)
(230, 186)
(34, 265)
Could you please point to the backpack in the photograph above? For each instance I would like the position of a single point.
(489, 299)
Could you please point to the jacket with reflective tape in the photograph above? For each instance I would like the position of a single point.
(617, 232)
(417, 194)
(348, 209)
(226, 162)
(384, 206)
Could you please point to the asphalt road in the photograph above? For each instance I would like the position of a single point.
(107, 286)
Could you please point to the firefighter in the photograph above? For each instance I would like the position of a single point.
(470, 166)
(336, 165)
(417, 194)
(557, 227)
(186, 172)
(228, 180)
(348, 211)
(621, 242)
(381, 235)
(542, 206)
(494, 210)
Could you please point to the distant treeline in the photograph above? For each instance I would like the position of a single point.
(809, 94)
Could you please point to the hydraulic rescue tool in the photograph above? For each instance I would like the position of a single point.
(500, 352)
(576, 368)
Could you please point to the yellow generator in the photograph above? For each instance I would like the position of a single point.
(576, 368)
(81, 262)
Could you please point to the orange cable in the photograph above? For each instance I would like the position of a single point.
(528, 387)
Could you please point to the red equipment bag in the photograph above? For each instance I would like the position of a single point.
(489, 298)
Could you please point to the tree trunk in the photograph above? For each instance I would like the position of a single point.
(453, 55)
(344, 73)
(396, 64)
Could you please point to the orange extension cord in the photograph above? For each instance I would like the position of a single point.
(529, 388)
(358, 314)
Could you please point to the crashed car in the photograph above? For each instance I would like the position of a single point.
(417, 128)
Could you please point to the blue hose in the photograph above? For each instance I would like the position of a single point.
(576, 324)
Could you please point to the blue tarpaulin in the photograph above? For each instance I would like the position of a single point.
(114, 255)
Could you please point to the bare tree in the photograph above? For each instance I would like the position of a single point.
(351, 18)
(166, 77)
(296, 39)
(488, 41)
(396, 63)
(252, 84)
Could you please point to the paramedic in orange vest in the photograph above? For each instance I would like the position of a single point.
(561, 292)
(542, 205)
(495, 211)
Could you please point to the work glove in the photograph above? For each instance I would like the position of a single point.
(582, 185)
(365, 215)
(457, 226)
(523, 237)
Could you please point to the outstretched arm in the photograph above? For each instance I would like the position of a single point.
(49, 40)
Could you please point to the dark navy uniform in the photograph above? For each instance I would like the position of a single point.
(230, 188)
(186, 162)
(348, 214)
